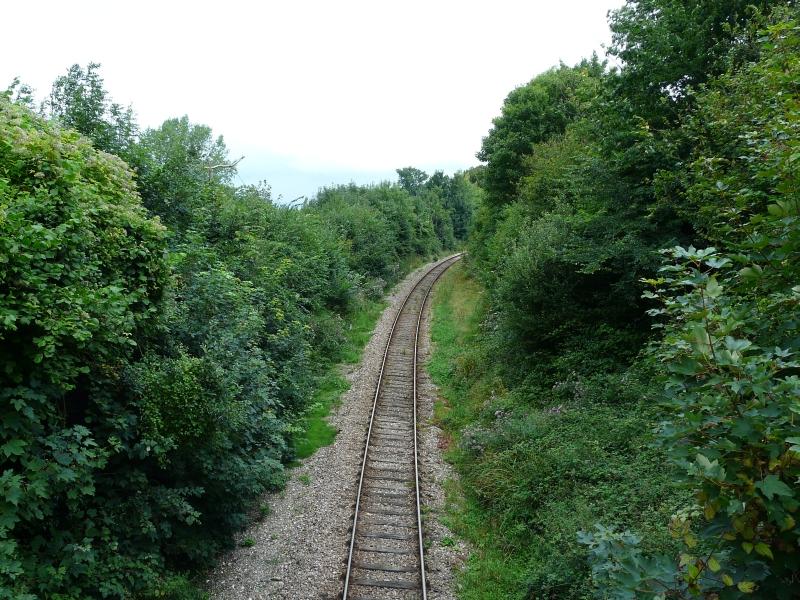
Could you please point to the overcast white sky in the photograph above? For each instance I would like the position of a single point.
(310, 91)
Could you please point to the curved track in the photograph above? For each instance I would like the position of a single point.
(387, 558)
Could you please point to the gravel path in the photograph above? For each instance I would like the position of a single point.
(300, 547)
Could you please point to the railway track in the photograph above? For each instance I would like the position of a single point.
(386, 560)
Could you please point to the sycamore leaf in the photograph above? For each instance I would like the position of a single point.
(713, 288)
(13, 448)
(772, 486)
(751, 273)
(717, 263)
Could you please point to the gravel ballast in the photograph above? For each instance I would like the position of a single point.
(300, 548)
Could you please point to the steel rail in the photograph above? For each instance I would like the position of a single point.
(378, 388)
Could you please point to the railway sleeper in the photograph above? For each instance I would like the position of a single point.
(394, 405)
(388, 511)
(389, 504)
(409, 523)
(380, 471)
(387, 583)
(385, 422)
(387, 478)
(392, 531)
(386, 567)
(381, 486)
(389, 464)
(385, 548)
(386, 535)
(388, 429)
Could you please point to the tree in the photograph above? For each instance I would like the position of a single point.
(19, 93)
(669, 46)
(531, 114)
(412, 179)
(79, 101)
(173, 164)
(82, 275)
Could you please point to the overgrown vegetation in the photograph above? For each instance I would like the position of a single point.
(167, 338)
(591, 337)
(315, 431)
(618, 358)
(538, 465)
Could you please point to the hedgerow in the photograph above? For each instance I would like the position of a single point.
(161, 334)
(637, 244)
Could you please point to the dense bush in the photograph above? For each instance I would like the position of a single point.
(538, 461)
(589, 173)
(83, 275)
(730, 316)
(153, 377)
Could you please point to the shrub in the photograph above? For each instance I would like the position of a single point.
(82, 273)
(730, 345)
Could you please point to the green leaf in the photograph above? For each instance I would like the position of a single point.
(718, 263)
(746, 587)
(713, 288)
(775, 210)
(13, 494)
(13, 448)
(686, 366)
(735, 345)
(772, 486)
(750, 273)
(703, 462)
(788, 523)
(764, 550)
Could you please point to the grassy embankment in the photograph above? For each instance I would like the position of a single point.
(536, 468)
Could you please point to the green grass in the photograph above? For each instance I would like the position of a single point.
(315, 431)
(537, 464)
